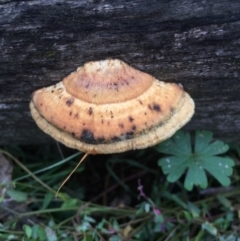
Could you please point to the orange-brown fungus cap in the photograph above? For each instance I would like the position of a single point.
(109, 107)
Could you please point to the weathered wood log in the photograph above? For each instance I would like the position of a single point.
(195, 43)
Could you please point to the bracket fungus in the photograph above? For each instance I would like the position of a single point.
(109, 107)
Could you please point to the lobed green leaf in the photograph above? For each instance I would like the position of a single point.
(195, 161)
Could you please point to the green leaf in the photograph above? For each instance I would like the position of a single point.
(175, 198)
(83, 227)
(41, 234)
(71, 202)
(147, 207)
(178, 145)
(101, 224)
(51, 234)
(158, 219)
(115, 238)
(89, 219)
(27, 230)
(224, 201)
(187, 215)
(35, 228)
(173, 166)
(11, 237)
(220, 168)
(195, 211)
(115, 224)
(195, 161)
(231, 237)
(87, 237)
(17, 195)
(209, 228)
(195, 176)
(46, 201)
(144, 207)
(202, 139)
(203, 145)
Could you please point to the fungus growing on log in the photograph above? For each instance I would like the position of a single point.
(109, 107)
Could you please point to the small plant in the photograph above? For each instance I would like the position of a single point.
(195, 159)
(150, 208)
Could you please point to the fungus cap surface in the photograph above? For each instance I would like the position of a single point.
(109, 107)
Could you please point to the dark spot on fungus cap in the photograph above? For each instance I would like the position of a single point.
(156, 107)
(129, 135)
(90, 111)
(130, 119)
(172, 109)
(121, 125)
(100, 140)
(111, 114)
(87, 137)
(69, 102)
(115, 139)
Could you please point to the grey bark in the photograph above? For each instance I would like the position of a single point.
(192, 42)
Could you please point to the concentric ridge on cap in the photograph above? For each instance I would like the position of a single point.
(107, 81)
